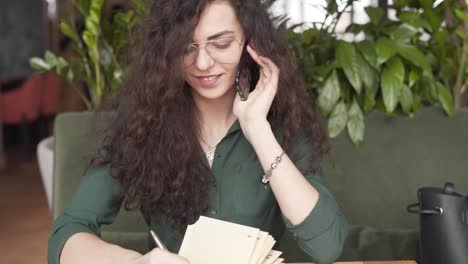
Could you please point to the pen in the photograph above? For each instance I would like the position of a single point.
(158, 241)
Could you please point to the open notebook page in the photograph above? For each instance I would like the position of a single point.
(257, 253)
(212, 241)
(272, 257)
(270, 241)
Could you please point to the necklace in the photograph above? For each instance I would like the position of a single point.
(211, 150)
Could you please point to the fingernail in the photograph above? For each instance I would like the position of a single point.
(251, 46)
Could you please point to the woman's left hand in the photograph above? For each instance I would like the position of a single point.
(254, 110)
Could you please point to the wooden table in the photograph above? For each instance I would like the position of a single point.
(370, 262)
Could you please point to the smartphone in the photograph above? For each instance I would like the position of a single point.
(248, 73)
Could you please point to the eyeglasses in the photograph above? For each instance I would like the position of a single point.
(223, 50)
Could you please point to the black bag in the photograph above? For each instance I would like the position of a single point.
(443, 215)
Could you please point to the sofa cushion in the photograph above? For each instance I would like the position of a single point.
(373, 183)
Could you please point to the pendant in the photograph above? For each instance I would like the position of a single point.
(210, 154)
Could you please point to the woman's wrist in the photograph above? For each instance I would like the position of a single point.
(255, 129)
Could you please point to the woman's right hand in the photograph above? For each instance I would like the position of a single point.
(160, 256)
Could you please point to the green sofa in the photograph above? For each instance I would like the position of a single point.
(372, 183)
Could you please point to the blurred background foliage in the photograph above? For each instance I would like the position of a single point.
(391, 64)
(100, 45)
(394, 65)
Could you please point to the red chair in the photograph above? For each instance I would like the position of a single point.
(35, 99)
(22, 104)
(50, 94)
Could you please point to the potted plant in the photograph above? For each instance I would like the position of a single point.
(99, 64)
(396, 69)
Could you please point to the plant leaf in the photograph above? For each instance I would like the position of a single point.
(404, 32)
(40, 64)
(461, 14)
(392, 81)
(347, 58)
(414, 19)
(91, 27)
(355, 123)
(106, 57)
(369, 103)
(413, 77)
(68, 30)
(69, 75)
(385, 49)
(445, 98)
(430, 90)
(329, 94)
(368, 51)
(50, 58)
(338, 120)
(416, 102)
(83, 5)
(406, 99)
(414, 55)
(375, 14)
(61, 65)
(90, 41)
(369, 76)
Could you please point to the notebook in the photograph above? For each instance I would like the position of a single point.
(213, 241)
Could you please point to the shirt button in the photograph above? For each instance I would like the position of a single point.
(214, 212)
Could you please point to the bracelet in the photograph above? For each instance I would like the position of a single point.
(267, 175)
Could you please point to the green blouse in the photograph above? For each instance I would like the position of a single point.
(236, 195)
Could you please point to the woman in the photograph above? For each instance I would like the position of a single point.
(185, 144)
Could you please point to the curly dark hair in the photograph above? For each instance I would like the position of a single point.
(152, 144)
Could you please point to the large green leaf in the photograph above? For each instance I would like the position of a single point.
(406, 99)
(375, 14)
(329, 94)
(68, 30)
(355, 123)
(414, 19)
(434, 16)
(430, 90)
(413, 77)
(96, 9)
(385, 49)
(369, 76)
(347, 57)
(369, 103)
(403, 32)
(338, 120)
(83, 5)
(367, 49)
(392, 79)
(408, 16)
(414, 55)
(89, 40)
(50, 58)
(92, 27)
(445, 98)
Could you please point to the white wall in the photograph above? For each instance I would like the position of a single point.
(310, 11)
